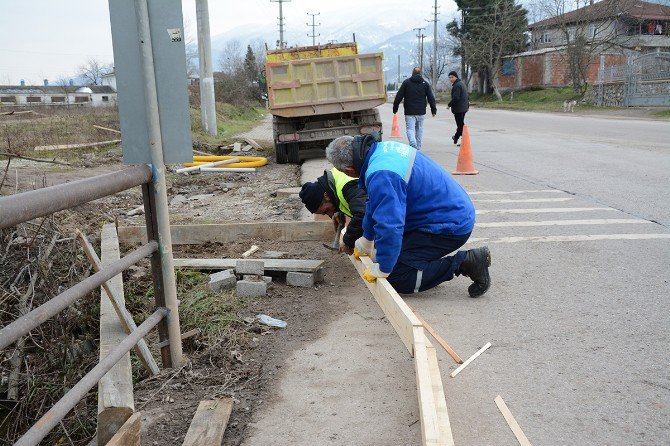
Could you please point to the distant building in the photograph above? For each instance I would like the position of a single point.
(618, 29)
(52, 95)
(109, 79)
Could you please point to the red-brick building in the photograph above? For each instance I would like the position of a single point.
(621, 28)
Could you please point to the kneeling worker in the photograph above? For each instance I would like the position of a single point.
(337, 195)
(416, 214)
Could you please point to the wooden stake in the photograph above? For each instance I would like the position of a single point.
(439, 339)
(209, 423)
(511, 422)
(469, 360)
(119, 306)
(250, 251)
(106, 128)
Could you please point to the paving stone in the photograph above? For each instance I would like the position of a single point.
(300, 279)
(248, 266)
(247, 288)
(223, 280)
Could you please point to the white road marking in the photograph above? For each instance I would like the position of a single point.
(539, 210)
(602, 221)
(524, 200)
(580, 238)
(503, 192)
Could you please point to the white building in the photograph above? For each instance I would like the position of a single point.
(54, 95)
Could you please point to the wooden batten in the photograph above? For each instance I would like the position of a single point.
(209, 423)
(129, 434)
(285, 231)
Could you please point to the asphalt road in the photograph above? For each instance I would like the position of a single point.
(579, 311)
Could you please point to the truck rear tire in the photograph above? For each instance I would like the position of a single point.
(281, 153)
(293, 150)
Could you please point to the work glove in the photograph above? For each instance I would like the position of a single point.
(364, 247)
(372, 273)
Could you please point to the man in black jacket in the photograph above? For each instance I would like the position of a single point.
(415, 91)
(459, 103)
(338, 196)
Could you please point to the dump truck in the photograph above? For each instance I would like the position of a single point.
(318, 93)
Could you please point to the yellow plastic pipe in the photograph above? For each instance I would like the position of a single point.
(245, 161)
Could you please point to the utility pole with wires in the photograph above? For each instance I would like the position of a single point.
(313, 25)
(419, 36)
(434, 73)
(421, 53)
(282, 42)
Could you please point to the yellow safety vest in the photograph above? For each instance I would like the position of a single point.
(340, 179)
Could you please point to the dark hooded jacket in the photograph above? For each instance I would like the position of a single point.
(415, 91)
(355, 198)
(459, 98)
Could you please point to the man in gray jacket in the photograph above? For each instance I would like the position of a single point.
(459, 103)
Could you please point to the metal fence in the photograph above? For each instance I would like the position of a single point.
(645, 80)
(26, 206)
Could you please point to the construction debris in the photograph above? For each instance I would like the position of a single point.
(249, 288)
(246, 148)
(139, 210)
(300, 279)
(285, 265)
(469, 360)
(223, 280)
(253, 143)
(250, 251)
(237, 147)
(245, 266)
(209, 423)
(270, 321)
(106, 128)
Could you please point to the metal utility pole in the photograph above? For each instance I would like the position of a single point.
(282, 43)
(421, 51)
(419, 34)
(434, 73)
(207, 102)
(313, 25)
(158, 178)
(397, 85)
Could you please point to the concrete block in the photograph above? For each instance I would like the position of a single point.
(267, 279)
(247, 288)
(248, 266)
(251, 277)
(300, 279)
(273, 254)
(223, 280)
(320, 275)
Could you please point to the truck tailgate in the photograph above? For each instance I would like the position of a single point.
(325, 85)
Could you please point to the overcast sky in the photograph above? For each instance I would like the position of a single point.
(46, 39)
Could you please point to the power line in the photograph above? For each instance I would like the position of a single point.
(313, 25)
(282, 43)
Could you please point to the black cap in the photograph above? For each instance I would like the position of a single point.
(311, 195)
(453, 73)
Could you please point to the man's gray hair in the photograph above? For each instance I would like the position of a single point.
(340, 152)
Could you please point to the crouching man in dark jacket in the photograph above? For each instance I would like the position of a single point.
(459, 103)
(337, 195)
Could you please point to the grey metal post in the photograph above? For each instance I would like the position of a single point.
(158, 167)
(207, 102)
(434, 74)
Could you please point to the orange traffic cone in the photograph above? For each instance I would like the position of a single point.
(465, 165)
(395, 128)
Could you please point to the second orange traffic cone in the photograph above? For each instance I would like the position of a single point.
(465, 165)
(395, 128)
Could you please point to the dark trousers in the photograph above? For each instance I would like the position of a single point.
(460, 122)
(422, 264)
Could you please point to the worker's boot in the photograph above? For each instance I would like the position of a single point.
(476, 267)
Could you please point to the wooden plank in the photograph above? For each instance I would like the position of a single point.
(395, 309)
(443, 423)
(303, 266)
(285, 231)
(129, 434)
(439, 339)
(77, 146)
(115, 296)
(106, 128)
(115, 389)
(188, 334)
(511, 422)
(469, 360)
(253, 143)
(430, 433)
(209, 423)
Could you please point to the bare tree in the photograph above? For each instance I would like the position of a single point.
(232, 57)
(190, 43)
(445, 49)
(93, 70)
(586, 30)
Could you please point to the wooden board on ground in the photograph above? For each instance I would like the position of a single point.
(284, 231)
(77, 146)
(435, 426)
(396, 310)
(106, 128)
(284, 265)
(115, 389)
(288, 191)
(511, 422)
(209, 423)
(129, 434)
(253, 143)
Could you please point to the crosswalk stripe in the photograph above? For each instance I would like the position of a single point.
(523, 200)
(539, 210)
(577, 238)
(503, 192)
(602, 221)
